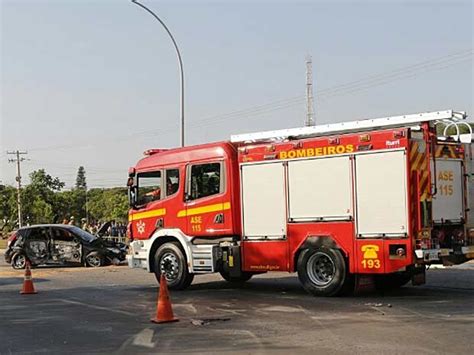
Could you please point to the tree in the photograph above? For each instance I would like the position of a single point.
(107, 204)
(8, 208)
(78, 208)
(40, 198)
(45, 183)
(81, 178)
(44, 201)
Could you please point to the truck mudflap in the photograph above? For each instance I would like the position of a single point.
(447, 256)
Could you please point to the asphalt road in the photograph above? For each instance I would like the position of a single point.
(107, 310)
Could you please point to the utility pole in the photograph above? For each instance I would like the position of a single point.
(18, 161)
(309, 92)
(87, 209)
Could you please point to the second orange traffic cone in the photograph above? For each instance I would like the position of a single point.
(28, 287)
(164, 312)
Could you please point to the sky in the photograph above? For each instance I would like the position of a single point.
(96, 82)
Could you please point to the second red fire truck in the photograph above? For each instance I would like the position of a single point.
(343, 205)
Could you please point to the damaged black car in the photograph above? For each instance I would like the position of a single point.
(60, 244)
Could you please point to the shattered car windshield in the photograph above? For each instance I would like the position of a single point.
(83, 234)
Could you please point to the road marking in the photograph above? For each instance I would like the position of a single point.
(169, 338)
(237, 312)
(284, 309)
(188, 307)
(107, 309)
(144, 338)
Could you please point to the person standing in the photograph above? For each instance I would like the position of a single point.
(84, 224)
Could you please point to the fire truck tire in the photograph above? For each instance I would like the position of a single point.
(170, 260)
(322, 271)
(245, 276)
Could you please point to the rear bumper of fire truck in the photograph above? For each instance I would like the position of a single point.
(137, 256)
(447, 256)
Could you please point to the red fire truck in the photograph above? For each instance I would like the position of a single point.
(343, 205)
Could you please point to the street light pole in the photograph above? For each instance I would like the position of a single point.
(180, 62)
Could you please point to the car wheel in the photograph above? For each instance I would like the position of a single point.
(94, 260)
(170, 261)
(244, 277)
(322, 271)
(19, 261)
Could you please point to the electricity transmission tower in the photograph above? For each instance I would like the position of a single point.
(309, 92)
(18, 159)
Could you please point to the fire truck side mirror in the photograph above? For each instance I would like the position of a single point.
(132, 196)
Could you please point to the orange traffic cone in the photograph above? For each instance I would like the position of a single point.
(164, 312)
(28, 287)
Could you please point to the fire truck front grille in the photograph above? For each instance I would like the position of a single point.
(204, 259)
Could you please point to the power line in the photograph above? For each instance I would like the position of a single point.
(208, 120)
(338, 90)
(89, 169)
(362, 84)
(432, 64)
(399, 73)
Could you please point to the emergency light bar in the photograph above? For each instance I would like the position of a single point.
(361, 125)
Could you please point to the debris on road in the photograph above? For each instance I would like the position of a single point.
(207, 321)
(378, 305)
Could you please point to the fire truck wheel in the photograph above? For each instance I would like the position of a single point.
(322, 271)
(170, 260)
(245, 276)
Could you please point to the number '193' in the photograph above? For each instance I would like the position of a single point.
(371, 264)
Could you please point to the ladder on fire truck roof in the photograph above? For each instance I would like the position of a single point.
(448, 116)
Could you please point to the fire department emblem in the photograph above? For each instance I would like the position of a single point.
(141, 227)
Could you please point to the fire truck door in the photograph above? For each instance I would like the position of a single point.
(207, 199)
(448, 202)
(381, 190)
(264, 216)
(149, 213)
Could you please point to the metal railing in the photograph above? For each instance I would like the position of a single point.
(116, 239)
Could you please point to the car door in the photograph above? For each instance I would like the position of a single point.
(65, 247)
(37, 245)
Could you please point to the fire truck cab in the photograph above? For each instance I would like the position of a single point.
(343, 205)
